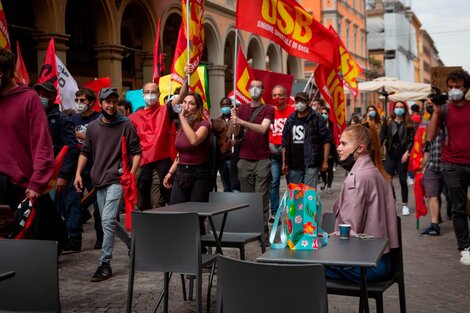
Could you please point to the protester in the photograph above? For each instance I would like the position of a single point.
(103, 146)
(85, 99)
(366, 199)
(317, 104)
(453, 118)
(328, 175)
(306, 143)
(189, 175)
(374, 117)
(281, 112)
(153, 125)
(66, 199)
(251, 122)
(27, 155)
(124, 107)
(398, 134)
(220, 126)
(355, 119)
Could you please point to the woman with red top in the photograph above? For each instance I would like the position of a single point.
(189, 174)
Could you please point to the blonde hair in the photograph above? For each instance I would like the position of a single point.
(366, 134)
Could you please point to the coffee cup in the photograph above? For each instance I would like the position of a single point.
(344, 230)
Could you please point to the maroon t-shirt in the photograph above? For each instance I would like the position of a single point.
(457, 151)
(189, 154)
(255, 146)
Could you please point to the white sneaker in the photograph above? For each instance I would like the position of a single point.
(329, 190)
(405, 210)
(465, 259)
(410, 181)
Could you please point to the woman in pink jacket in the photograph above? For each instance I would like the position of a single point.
(366, 200)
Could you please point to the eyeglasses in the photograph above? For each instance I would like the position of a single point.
(81, 100)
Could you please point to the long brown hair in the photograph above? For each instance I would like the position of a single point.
(199, 114)
(406, 117)
(366, 134)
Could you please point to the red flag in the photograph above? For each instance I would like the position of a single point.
(271, 79)
(21, 74)
(158, 62)
(331, 88)
(129, 188)
(421, 209)
(96, 85)
(291, 26)
(4, 37)
(244, 77)
(48, 71)
(59, 160)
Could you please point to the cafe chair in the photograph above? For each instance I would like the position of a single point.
(376, 289)
(168, 243)
(250, 287)
(242, 226)
(34, 287)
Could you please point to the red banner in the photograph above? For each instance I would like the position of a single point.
(21, 74)
(271, 79)
(244, 76)
(96, 85)
(129, 189)
(48, 71)
(158, 61)
(4, 37)
(291, 26)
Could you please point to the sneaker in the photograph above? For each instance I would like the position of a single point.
(465, 259)
(410, 181)
(322, 187)
(433, 230)
(405, 210)
(329, 190)
(102, 273)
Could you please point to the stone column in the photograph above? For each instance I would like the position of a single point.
(60, 42)
(109, 58)
(216, 79)
(147, 68)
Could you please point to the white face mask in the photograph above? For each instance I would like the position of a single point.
(301, 106)
(44, 101)
(255, 92)
(150, 99)
(81, 107)
(455, 94)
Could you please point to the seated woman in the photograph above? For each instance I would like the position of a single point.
(366, 200)
(189, 174)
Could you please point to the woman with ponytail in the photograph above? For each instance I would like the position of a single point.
(366, 200)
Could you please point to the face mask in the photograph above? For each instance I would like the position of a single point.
(44, 101)
(225, 111)
(107, 116)
(455, 94)
(429, 109)
(150, 99)
(348, 163)
(300, 106)
(399, 111)
(372, 114)
(278, 102)
(81, 107)
(255, 92)
(325, 116)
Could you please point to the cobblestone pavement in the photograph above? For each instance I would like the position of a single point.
(435, 281)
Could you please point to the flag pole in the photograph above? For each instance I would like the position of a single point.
(308, 82)
(235, 57)
(188, 12)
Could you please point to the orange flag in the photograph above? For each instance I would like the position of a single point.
(21, 74)
(4, 37)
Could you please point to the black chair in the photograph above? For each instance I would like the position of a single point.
(242, 226)
(34, 287)
(168, 242)
(250, 287)
(328, 222)
(375, 290)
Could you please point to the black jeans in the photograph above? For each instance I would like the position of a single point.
(328, 173)
(145, 182)
(457, 178)
(392, 164)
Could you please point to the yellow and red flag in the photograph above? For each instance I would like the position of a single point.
(21, 74)
(244, 77)
(288, 24)
(48, 71)
(4, 37)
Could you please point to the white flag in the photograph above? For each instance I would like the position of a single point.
(67, 86)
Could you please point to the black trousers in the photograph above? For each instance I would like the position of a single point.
(393, 164)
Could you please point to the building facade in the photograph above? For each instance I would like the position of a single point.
(115, 38)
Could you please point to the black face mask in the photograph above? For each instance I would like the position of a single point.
(429, 109)
(108, 116)
(348, 163)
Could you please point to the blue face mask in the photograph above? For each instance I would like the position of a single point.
(325, 116)
(399, 111)
(225, 111)
(372, 114)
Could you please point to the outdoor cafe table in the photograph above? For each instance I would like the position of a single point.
(355, 252)
(205, 209)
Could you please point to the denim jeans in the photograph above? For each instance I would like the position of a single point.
(96, 210)
(224, 170)
(109, 199)
(373, 274)
(68, 206)
(275, 182)
(457, 178)
(309, 176)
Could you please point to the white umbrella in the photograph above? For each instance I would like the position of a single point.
(393, 85)
(408, 96)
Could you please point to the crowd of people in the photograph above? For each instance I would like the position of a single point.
(175, 153)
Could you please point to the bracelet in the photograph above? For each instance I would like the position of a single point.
(171, 173)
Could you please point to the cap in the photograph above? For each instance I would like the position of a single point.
(301, 96)
(47, 86)
(106, 92)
